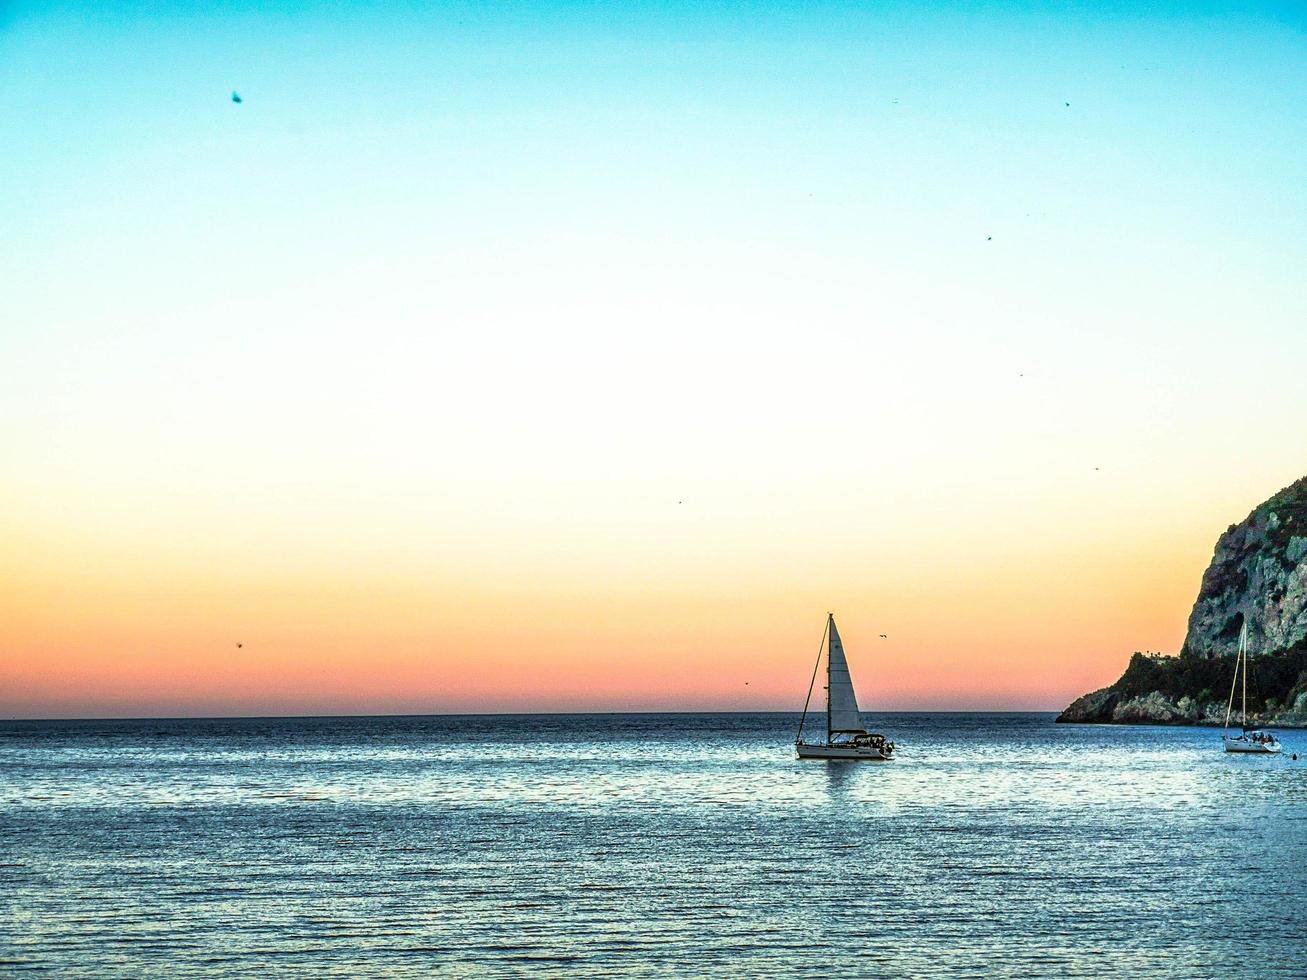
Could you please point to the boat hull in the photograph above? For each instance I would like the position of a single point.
(1251, 748)
(864, 753)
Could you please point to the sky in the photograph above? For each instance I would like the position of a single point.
(582, 356)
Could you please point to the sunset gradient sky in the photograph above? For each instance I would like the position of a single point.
(552, 356)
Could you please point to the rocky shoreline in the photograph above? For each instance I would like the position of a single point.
(1109, 707)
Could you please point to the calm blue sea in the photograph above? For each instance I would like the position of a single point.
(611, 845)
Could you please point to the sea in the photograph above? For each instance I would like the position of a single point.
(995, 845)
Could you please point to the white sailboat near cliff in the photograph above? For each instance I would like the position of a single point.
(845, 736)
(1249, 740)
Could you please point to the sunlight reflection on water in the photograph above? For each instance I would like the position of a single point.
(996, 845)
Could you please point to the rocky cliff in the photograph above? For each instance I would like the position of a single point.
(1259, 572)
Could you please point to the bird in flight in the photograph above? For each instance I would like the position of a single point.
(239, 645)
(236, 97)
(884, 637)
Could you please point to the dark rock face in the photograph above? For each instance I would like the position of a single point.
(1096, 706)
(1259, 572)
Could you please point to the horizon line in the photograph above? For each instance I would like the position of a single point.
(508, 714)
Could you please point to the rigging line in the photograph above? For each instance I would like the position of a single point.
(798, 738)
(1234, 681)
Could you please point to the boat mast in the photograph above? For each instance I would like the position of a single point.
(813, 683)
(1243, 708)
(830, 624)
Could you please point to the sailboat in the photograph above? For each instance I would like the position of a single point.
(1248, 740)
(845, 736)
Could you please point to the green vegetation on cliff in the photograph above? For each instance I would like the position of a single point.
(1271, 679)
(1188, 690)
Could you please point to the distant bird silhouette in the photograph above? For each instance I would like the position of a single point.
(236, 97)
(990, 238)
(239, 645)
(884, 637)
(1068, 105)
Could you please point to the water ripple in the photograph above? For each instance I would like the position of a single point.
(999, 845)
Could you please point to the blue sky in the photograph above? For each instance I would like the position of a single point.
(925, 153)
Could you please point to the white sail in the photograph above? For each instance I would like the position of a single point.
(844, 714)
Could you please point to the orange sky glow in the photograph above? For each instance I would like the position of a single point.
(1008, 610)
